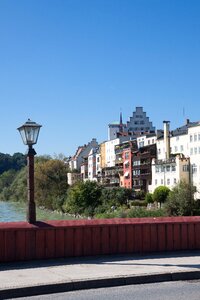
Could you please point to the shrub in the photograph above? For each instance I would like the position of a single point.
(180, 201)
(149, 198)
(160, 194)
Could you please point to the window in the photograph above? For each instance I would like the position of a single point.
(174, 180)
(195, 150)
(195, 137)
(177, 138)
(126, 165)
(157, 169)
(168, 168)
(173, 168)
(181, 148)
(199, 150)
(153, 141)
(175, 149)
(191, 151)
(191, 138)
(148, 142)
(141, 144)
(156, 181)
(199, 136)
(162, 168)
(126, 155)
(185, 168)
(159, 151)
(161, 181)
(136, 172)
(168, 181)
(194, 168)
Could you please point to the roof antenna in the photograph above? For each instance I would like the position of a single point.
(121, 122)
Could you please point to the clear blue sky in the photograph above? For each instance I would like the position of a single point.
(71, 65)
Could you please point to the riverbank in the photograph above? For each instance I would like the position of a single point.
(16, 211)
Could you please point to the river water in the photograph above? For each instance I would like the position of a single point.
(15, 211)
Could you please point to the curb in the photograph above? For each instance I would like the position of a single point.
(96, 283)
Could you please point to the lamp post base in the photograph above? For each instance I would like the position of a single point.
(31, 213)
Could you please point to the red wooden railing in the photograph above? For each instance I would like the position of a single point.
(55, 239)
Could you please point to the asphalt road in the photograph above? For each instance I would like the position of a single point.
(180, 290)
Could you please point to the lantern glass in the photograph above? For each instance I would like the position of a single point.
(29, 132)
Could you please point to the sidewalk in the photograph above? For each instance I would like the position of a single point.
(52, 276)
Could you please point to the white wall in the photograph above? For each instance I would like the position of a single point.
(194, 150)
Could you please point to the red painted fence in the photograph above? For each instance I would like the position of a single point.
(55, 239)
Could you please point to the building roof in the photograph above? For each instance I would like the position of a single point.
(178, 131)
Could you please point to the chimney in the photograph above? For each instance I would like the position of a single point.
(187, 121)
(166, 139)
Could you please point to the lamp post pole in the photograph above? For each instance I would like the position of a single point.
(29, 133)
(31, 211)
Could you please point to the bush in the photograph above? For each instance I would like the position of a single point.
(140, 195)
(138, 203)
(83, 198)
(180, 201)
(149, 198)
(160, 194)
(143, 213)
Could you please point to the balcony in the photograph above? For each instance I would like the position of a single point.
(145, 175)
(171, 160)
(119, 161)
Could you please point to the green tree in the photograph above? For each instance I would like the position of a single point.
(50, 183)
(83, 198)
(6, 178)
(17, 190)
(8, 162)
(149, 198)
(160, 194)
(180, 200)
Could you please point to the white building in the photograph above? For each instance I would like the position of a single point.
(146, 139)
(110, 156)
(82, 152)
(194, 150)
(178, 157)
(94, 168)
(168, 172)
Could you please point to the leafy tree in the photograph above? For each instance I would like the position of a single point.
(83, 198)
(140, 195)
(122, 195)
(50, 183)
(18, 161)
(15, 162)
(160, 194)
(17, 190)
(6, 178)
(149, 198)
(180, 201)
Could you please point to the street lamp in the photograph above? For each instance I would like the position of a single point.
(29, 133)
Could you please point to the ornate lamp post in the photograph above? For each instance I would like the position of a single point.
(29, 133)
